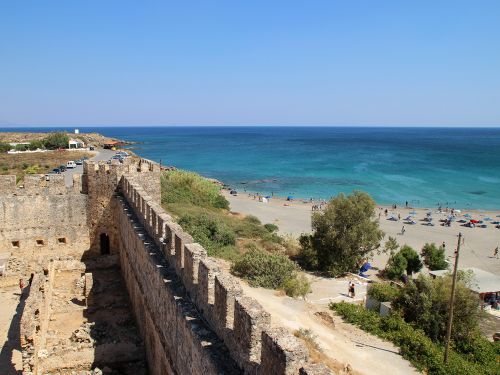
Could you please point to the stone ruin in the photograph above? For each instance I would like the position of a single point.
(181, 313)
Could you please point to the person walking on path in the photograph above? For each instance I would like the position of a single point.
(495, 252)
(403, 230)
(352, 291)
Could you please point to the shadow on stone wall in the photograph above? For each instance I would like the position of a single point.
(13, 342)
(110, 327)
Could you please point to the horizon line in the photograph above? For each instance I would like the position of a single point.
(257, 125)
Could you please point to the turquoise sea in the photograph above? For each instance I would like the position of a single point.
(455, 167)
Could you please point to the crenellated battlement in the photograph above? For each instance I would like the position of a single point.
(191, 312)
(39, 184)
(238, 320)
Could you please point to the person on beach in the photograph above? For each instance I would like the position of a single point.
(352, 292)
(495, 252)
(399, 216)
(406, 204)
(443, 246)
(403, 230)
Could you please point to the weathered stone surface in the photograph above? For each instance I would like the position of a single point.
(191, 314)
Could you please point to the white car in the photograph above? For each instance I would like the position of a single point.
(70, 164)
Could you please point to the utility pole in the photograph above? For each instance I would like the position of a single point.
(452, 301)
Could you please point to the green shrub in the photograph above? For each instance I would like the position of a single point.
(34, 145)
(190, 188)
(271, 227)
(413, 262)
(250, 227)
(414, 345)
(297, 286)
(434, 257)
(4, 147)
(405, 260)
(33, 169)
(396, 266)
(56, 140)
(264, 269)
(307, 256)
(208, 230)
(383, 292)
(424, 302)
(21, 147)
(252, 219)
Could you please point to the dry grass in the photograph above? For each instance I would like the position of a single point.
(37, 162)
(316, 354)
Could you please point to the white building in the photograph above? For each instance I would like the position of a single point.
(76, 143)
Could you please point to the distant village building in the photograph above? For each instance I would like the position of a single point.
(76, 143)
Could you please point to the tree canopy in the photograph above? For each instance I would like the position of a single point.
(56, 140)
(405, 260)
(434, 257)
(425, 303)
(343, 235)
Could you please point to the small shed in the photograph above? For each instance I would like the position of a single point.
(75, 143)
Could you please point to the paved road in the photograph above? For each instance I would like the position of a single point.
(102, 154)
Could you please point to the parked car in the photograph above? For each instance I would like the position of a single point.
(56, 171)
(79, 162)
(62, 168)
(70, 164)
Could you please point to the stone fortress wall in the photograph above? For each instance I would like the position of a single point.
(192, 315)
(43, 216)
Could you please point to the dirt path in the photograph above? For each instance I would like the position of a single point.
(342, 342)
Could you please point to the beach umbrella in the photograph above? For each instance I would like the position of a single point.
(458, 211)
(487, 219)
(498, 215)
(467, 215)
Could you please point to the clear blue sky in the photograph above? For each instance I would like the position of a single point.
(250, 62)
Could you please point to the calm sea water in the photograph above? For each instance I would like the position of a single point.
(456, 167)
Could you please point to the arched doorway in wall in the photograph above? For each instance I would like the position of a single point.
(104, 240)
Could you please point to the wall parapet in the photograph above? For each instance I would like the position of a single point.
(39, 184)
(239, 321)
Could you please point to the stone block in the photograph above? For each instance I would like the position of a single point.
(282, 353)
(226, 289)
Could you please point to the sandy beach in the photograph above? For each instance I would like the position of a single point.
(477, 250)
